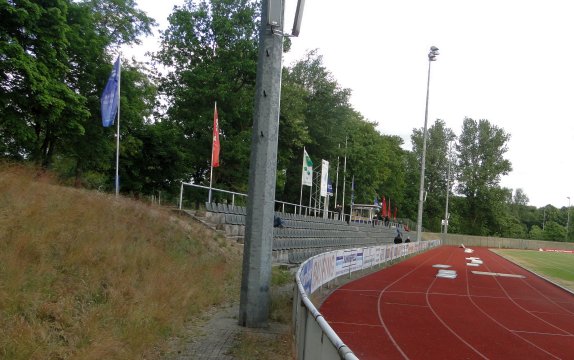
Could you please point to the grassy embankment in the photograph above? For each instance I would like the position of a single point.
(86, 276)
(558, 267)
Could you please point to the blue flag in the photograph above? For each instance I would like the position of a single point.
(111, 96)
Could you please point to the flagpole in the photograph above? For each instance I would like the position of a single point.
(210, 178)
(337, 178)
(352, 199)
(211, 162)
(310, 193)
(301, 195)
(344, 177)
(118, 128)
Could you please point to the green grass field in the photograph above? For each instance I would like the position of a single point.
(558, 267)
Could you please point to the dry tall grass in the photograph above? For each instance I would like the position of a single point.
(86, 276)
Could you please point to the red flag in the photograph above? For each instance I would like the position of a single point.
(216, 145)
(389, 213)
(384, 207)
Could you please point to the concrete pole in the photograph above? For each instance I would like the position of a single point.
(423, 160)
(256, 276)
(432, 57)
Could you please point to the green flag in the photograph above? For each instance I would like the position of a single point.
(307, 175)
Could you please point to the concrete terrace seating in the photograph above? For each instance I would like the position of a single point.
(303, 236)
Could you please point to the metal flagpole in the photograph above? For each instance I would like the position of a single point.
(352, 199)
(310, 193)
(344, 177)
(118, 129)
(210, 179)
(337, 178)
(211, 171)
(301, 195)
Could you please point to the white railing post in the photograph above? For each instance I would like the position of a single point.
(181, 196)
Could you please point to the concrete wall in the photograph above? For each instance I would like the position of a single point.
(496, 242)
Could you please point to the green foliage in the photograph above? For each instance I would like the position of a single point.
(54, 66)
(439, 139)
(554, 232)
(34, 44)
(56, 56)
(212, 50)
(481, 163)
(536, 233)
(281, 276)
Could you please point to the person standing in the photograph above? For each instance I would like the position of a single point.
(339, 211)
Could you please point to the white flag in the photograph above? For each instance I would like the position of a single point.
(324, 177)
(307, 175)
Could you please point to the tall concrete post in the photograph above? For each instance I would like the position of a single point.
(256, 276)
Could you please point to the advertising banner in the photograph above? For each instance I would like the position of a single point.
(323, 269)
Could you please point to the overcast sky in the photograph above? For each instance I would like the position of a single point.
(508, 61)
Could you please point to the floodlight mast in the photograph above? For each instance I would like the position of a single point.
(432, 57)
(257, 252)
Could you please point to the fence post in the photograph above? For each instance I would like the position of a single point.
(181, 196)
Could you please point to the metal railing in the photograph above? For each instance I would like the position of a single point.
(283, 206)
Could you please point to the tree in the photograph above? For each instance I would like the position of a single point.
(520, 198)
(211, 50)
(536, 233)
(35, 97)
(436, 170)
(554, 232)
(52, 71)
(481, 163)
(376, 161)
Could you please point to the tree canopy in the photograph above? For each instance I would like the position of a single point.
(55, 59)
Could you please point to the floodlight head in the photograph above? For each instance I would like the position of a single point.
(298, 17)
(433, 53)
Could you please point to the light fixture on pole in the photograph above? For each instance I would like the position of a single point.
(433, 53)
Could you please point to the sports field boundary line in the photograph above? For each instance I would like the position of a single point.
(540, 333)
(533, 272)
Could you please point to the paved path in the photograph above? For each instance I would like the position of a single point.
(215, 337)
(210, 338)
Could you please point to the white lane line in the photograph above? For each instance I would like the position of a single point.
(500, 324)
(541, 333)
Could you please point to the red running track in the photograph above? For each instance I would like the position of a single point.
(406, 312)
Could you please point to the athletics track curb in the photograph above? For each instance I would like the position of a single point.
(533, 272)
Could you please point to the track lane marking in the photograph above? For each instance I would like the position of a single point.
(354, 324)
(520, 306)
(499, 323)
(382, 321)
(403, 304)
(443, 322)
(540, 333)
(508, 263)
